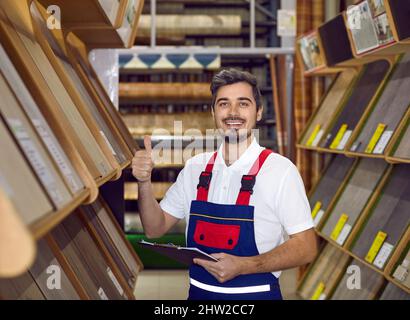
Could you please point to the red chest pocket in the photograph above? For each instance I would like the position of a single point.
(219, 236)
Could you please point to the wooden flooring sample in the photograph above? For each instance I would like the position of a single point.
(329, 107)
(39, 123)
(20, 288)
(63, 60)
(403, 147)
(363, 287)
(32, 147)
(23, 189)
(93, 258)
(388, 110)
(24, 33)
(392, 292)
(327, 269)
(331, 181)
(355, 195)
(43, 271)
(389, 215)
(117, 236)
(370, 81)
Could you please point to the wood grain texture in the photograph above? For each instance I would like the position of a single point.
(159, 189)
(366, 87)
(91, 256)
(403, 147)
(91, 217)
(390, 213)
(74, 258)
(390, 107)
(32, 148)
(108, 221)
(184, 25)
(327, 268)
(45, 267)
(356, 193)
(392, 292)
(58, 57)
(164, 91)
(371, 283)
(331, 180)
(331, 103)
(40, 124)
(19, 14)
(23, 189)
(193, 123)
(20, 288)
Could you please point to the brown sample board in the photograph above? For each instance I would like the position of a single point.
(329, 183)
(370, 81)
(324, 274)
(79, 58)
(37, 66)
(387, 112)
(20, 288)
(392, 292)
(92, 257)
(71, 80)
(50, 276)
(329, 107)
(39, 123)
(32, 147)
(402, 150)
(365, 286)
(23, 188)
(354, 198)
(117, 236)
(388, 219)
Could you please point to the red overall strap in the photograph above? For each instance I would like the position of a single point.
(248, 181)
(205, 180)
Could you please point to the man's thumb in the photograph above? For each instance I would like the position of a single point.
(147, 143)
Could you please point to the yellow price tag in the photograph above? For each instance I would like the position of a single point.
(375, 248)
(316, 209)
(339, 137)
(376, 137)
(339, 226)
(318, 292)
(313, 135)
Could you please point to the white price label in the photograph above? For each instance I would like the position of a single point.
(115, 281)
(383, 255)
(318, 217)
(102, 294)
(344, 140)
(383, 141)
(317, 138)
(344, 234)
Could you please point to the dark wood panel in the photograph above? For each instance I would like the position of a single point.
(20, 288)
(390, 213)
(365, 89)
(392, 292)
(356, 193)
(391, 106)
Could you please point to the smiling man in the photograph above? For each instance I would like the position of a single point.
(238, 203)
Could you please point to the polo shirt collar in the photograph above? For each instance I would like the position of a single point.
(244, 162)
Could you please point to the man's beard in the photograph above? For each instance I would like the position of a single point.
(235, 136)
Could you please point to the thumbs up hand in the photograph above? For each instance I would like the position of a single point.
(142, 163)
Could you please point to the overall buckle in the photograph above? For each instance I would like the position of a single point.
(204, 180)
(247, 183)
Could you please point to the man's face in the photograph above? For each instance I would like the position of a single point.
(235, 112)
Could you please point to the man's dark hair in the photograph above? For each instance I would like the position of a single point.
(230, 76)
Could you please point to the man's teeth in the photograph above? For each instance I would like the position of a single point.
(233, 123)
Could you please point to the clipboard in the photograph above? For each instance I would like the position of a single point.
(184, 255)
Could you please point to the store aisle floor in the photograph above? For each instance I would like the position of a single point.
(173, 285)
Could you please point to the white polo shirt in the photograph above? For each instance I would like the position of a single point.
(279, 196)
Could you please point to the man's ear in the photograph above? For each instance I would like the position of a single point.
(259, 114)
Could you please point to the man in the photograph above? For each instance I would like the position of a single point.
(237, 202)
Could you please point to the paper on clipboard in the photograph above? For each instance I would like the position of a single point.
(185, 255)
